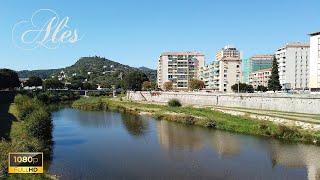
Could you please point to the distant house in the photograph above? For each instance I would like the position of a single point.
(23, 81)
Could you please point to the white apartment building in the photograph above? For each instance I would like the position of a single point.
(179, 68)
(293, 59)
(260, 78)
(314, 69)
(210, 76)
(229, 59)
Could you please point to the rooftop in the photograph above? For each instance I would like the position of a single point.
(295, 45)
(314, 34)
(183, 53)
(262, 56)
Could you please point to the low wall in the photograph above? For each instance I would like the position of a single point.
(279, 102)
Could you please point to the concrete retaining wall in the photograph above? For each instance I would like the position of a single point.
(279, 102)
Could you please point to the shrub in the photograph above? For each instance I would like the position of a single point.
(210, 124)
(25, 105)
(174, 103)
(90, 104)
(39, 124)
(288, 132)
(96, 94)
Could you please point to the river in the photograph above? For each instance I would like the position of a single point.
(113, 145)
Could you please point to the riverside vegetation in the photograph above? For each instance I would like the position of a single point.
(29, 130)
(205, 117)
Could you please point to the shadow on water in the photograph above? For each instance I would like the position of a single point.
(6, 118)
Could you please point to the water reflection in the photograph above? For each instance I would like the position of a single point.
(95, 119)
(297, 156)
(171, 136)
(225, 144)
(177, 136)
(174, 136)
(134, 124)
(169, 151)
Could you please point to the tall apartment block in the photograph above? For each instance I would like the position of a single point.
(293, 60)
(314, 81)
(179, 68)
(229, 59)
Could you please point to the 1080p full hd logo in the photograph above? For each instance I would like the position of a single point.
(45, 29)
(25, 162)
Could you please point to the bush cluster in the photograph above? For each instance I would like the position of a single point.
(97, 94)
(90, 104)
(36, 117)
(174, 103)
(49, 97)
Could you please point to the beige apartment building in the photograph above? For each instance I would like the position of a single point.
(229, 59)
(260, 78)
(179, 68)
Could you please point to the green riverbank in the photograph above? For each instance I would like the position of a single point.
(205, 117)
(26, 127)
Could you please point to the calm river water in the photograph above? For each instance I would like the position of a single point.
(112, 145)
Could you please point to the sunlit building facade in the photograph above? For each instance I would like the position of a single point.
(314, 82)
(293, 61)
(179, 68)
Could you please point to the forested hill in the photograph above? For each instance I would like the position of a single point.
(95, 69)
(43, 74)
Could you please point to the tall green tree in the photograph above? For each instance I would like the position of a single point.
(8, 79)
(34, 81)
(134, 79)
(274, 82)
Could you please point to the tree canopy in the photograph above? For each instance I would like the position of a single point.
(262, 88)
(134, 79)
(195, 84)
(146, 85)
(243, 88)
(53, 83)
(168, 86)
(8, 79)
(34, 81)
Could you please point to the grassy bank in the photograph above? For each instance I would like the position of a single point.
(28, 129)
(205, 117)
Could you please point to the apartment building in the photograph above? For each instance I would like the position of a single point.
(229, 59)
(179, 68)
(209, 74)
(260, 78)
(293, 59)
(314, 75)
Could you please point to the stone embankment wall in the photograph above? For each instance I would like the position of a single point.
(303, 103)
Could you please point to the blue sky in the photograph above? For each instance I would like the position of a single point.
(135, 32)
